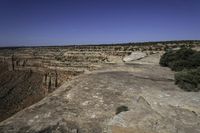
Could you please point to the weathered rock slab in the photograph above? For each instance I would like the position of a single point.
(134, 56)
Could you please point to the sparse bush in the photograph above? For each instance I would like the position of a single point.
(121, 109)
(188, 80)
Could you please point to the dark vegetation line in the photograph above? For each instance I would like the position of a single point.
(111, 44)
(186, 63)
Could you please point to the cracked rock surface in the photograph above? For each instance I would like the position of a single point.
(88, 103)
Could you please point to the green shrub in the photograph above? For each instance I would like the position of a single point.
(179, 65)
(121, 109)
(195, 59)
(185, 58)
(187, 62)
(188, 80)
(166, 58)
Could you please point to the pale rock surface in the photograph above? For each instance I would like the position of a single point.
(134, 56)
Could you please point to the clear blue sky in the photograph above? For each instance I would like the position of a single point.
(58, 22)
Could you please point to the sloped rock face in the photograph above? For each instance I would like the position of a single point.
(88, 104)
(18, 89)
(22, 88)
(134, 56)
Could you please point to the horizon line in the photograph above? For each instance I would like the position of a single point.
(94, 44)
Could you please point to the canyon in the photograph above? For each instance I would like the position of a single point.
(77, 89)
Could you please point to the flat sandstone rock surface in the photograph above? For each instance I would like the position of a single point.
(88, 103)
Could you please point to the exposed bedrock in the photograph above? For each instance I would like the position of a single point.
(134, 56)
(88, 102)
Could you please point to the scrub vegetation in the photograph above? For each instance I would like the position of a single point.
(186, 63)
